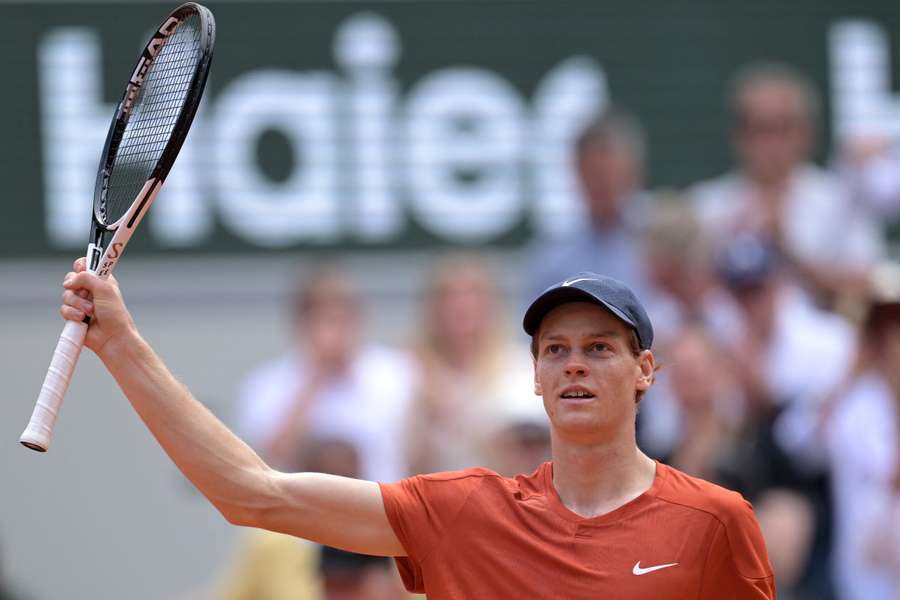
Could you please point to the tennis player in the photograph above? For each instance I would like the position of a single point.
(601, 520)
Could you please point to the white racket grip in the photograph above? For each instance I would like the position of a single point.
(40, 428)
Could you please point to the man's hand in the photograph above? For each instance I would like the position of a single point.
(86, 295)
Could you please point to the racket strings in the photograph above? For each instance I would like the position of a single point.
(155, 114)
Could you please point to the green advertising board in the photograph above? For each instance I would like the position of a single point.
(406, 124)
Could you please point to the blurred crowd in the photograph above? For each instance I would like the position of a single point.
(777, 312)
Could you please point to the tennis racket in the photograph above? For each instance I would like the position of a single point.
(147, 131)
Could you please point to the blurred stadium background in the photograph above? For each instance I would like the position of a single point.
(382, 134)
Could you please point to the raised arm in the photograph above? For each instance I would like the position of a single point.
(337, 511)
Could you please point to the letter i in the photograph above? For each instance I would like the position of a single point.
(366, 48)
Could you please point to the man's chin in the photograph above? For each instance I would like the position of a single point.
(579, 426)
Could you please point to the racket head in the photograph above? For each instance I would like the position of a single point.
(147, 131)
(152, 120)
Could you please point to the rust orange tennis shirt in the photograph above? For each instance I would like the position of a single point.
(476, 535)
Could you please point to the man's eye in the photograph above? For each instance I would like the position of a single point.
(599, 347)
(554, 348)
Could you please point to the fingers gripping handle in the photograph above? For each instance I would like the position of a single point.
(40, 429)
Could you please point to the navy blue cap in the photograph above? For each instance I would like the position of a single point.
(609, 293)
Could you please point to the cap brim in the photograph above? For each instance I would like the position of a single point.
(563, 295)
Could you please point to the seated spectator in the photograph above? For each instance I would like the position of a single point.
(775, 192)
(609, 158)
(469, 373)
(331, 384)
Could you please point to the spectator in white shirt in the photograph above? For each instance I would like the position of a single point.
(331, 384)
(777, 193)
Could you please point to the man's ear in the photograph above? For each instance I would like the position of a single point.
(647, 365)
(538, 390)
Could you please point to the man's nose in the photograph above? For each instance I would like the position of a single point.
(576, 365)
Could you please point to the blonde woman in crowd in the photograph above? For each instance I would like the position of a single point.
(468, 372)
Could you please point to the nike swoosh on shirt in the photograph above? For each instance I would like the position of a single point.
(637, 570)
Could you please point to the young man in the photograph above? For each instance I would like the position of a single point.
(600, 520)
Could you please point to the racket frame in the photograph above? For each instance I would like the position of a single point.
(102, 256)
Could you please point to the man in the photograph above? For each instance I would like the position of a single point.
(783, 337)
(776, 192)
(600, 520)
(610, 153)
(332, 383)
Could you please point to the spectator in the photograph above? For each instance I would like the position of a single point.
(858, 430)
(788, 350)
(520, 438)
(350, 576)
(609, 158)
(331, 384)
(686, 294)
(273, 566)
(788, 354)
(776, 193)
(679, 263)
(470, 375)
(870, 166)
(709, 407)
(720, 441)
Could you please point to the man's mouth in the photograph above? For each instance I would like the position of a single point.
(576, 394)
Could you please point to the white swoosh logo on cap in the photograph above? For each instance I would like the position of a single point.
(637, 570)
(576, 280)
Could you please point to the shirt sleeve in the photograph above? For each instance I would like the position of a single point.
(738, 565)
(421, 510)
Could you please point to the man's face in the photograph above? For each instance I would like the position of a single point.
(462, 309)
(697, 370)
(331, 331)
(587, 373)
(608, 174)
(772, 130)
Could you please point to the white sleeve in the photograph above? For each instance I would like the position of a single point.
(263, 399)
(798, 433)
(878, 185)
